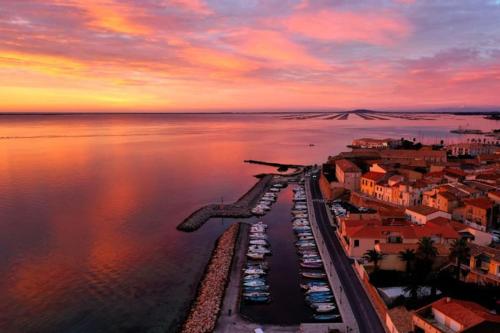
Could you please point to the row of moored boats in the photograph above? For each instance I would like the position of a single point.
(270, 197)
(255, 287)
(318, 294)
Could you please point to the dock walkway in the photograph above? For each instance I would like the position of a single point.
(239, 209)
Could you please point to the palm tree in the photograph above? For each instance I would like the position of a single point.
(413, 287)
(373, 256)
(459, 251)
(426, 253)
(407, 256)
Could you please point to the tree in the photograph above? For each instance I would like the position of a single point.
(413, 287)
(459, 251)
(426, 253)
(373, 256)
(408, 256)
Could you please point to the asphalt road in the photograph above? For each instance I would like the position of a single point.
(366, 317)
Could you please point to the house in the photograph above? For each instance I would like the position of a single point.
(348, 174)
(421, 214)
(478, 213)
(484, 265)
(369, 180)
(449, 315)
(361, 235)
(441, 198)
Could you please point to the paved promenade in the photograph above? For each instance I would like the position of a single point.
(364, 314)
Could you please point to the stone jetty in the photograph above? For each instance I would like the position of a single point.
(239, 209)
(206, 308)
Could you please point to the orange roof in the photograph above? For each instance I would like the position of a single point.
(466, 313)
(483, 203)
(347, 166)
(375, 176)
(422, 210)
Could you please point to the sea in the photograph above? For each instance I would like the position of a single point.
(89, 205)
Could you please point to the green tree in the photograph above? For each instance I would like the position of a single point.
(459, 251)
(373, 256)
(408, 256)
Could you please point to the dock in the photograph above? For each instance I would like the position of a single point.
(239, 209)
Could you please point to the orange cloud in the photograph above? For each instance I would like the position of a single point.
(111, 15)
(272, 46)
(329, 25)
(197, 6)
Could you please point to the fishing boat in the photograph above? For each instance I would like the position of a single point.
(258, 299)
(257, 288)
(256, 294)
(314, 289)
(311, 265)
(258, 242)
(254, 283)
(254, 271)
(323, 307)
(313, 275)
(325, 317)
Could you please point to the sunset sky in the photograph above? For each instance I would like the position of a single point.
(161, 55)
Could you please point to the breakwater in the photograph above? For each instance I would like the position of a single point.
(239, 209)
(206, 308)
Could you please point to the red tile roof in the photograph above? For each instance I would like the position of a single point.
(422, 210)
(466, 313)
(375, 176)
(483, 203)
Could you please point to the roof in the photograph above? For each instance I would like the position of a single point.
(447, 195)
(409, 153)
(375, 176)
(491, 252)
(401, 318)
(422, 210)
(347, 166)
(483, 202)
(466, 313)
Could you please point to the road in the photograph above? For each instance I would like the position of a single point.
(366, 317)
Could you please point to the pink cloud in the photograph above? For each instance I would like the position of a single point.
(372, 28)
(197, 6)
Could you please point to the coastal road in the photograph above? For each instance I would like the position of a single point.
(364, 313)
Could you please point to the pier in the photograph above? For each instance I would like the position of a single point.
(239, 209)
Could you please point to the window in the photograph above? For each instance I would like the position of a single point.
(356, 243)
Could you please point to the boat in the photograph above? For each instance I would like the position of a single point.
(252, 277)
(258, 249)
(324, 307)
(311, 265)
(258, 235)
(312, 260)
(319, 299)
(313, 275)
(326, 316)
(274, 189)
(254, 271)
(304, 234)
(310, 284)
(258, 299)
(254, 283)
(256, 293)
(258, 211)
(314, 289)
(258, 242)
(256, 288)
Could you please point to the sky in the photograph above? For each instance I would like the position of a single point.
(173, 55)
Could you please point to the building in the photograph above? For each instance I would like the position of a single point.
(484, 265)
(448, 315)
(471, 149)
(369, 180)
(348, 174)
(370, 143)
(406, 156)
(361, 235)
(422, 214)
(441, 198)
(478, 213)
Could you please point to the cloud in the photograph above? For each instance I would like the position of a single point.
(376, 28)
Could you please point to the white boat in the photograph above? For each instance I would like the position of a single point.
(265, 203)
(314, 289)
(323, 307)
(255, 256)
(274, 189)
(254, 283)
(258, 249)
(258, 242)
(254, 271)
(258, 211)
(258, 235)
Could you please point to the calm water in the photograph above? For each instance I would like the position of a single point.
(89, 206)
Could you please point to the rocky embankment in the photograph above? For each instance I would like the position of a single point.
(205, 310)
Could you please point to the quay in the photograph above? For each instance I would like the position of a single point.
(239, 209)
